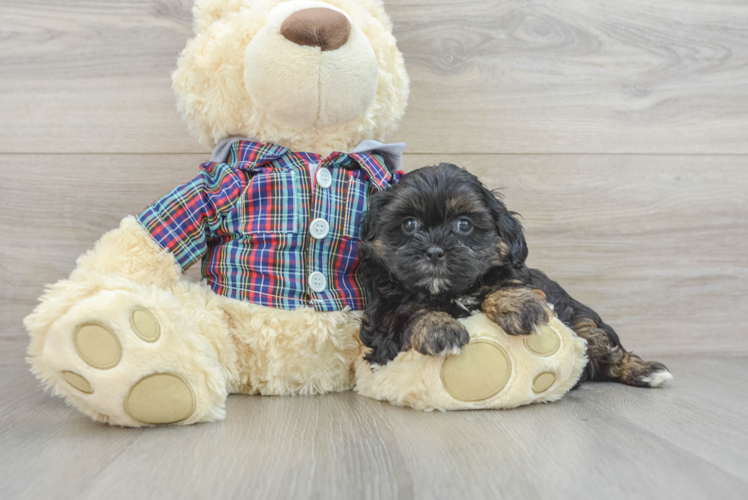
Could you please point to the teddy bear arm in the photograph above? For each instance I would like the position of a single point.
(130, 252)
(122, 257)
(169, 235)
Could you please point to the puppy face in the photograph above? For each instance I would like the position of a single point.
(439, 230)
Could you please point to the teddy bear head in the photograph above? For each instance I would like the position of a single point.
(308, 75)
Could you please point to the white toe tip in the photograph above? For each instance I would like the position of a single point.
(658, 378)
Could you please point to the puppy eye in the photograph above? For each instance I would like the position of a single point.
(464, 226)
(410, 225)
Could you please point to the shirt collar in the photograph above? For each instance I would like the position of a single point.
(375, 158)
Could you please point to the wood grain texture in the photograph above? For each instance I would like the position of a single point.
(494, 76)
(656, 244)
(92, 76)
(611, 76)
(602, 441)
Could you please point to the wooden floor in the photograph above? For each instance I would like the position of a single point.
(617, 128)
(686, 441)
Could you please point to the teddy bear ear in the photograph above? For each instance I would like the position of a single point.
(206, 12)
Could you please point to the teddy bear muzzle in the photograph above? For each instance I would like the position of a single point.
(310, 67)
(317, 27)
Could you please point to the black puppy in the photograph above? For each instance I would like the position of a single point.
(438, 246)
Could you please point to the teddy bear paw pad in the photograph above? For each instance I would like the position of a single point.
(543, 382)
(77, 381)
(479, 372)
(97, 345)
(160, 398)
(544, 342)
(145, 325)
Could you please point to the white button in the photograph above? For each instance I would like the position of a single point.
(317, 281)
(319, 228)
(324, 177)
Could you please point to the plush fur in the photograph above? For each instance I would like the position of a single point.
(216, 345)
(240, 77)
(440, 246)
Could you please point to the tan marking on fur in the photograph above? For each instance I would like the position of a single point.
(379, 248)
(427, 330)
(508, 307)
(624, 366)
(540, 293)
(598, 344)
(633, 370)
(463, 205)
(502, 251)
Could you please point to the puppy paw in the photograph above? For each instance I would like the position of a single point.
(438, 334)
(517, 310)
(632, 370)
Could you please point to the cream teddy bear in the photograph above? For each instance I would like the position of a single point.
(294, 96)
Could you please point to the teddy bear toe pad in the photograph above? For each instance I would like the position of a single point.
(78, 382)
(145, 325)
(97, 345)
(479, 372)
(543, 382)
(543, 342)
(160, 398)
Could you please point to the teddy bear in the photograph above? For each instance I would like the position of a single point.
(294, 97)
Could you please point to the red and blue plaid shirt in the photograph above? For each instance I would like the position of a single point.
(249, 220)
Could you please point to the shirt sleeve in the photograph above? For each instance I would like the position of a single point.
(185, 220)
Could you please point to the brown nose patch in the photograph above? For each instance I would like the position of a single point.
(317, 27)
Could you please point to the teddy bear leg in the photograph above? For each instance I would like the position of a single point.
(138, 356)
(297, 352)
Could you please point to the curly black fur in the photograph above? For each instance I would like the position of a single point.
(416, 272)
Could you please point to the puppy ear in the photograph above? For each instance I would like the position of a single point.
(508, 228)
(369, 226)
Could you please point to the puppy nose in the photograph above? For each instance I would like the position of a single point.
(317, 27)
(435, 254)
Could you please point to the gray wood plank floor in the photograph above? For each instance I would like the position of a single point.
(617, 128)
(687, 440)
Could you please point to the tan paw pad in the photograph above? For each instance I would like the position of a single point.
(544, 342)
(78, 382)
(160, 398)
(543, 382)
(479, 372)
(97, 346)
(145, 325)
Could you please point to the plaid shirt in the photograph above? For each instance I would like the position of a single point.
(249, 220)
